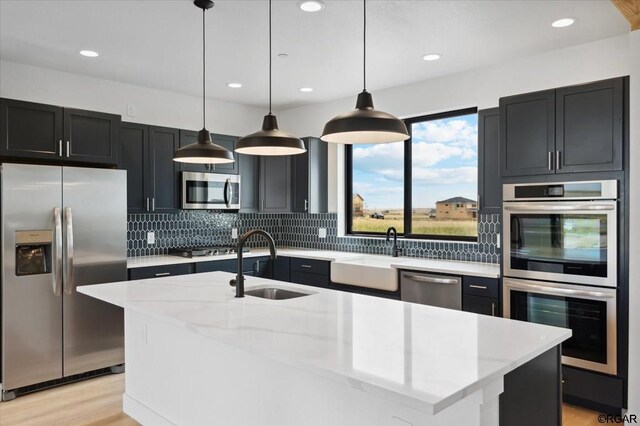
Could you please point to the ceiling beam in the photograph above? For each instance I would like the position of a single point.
(630, 9)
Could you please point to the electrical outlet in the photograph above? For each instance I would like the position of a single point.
(498, 240)
(151, 237)
(322, 232)
(234, 233)
(131, 110)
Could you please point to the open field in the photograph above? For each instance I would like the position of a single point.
(422, 224)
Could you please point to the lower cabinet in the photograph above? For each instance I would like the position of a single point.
(160, 271)
(480, 305)
(481, 296)
(596, 391)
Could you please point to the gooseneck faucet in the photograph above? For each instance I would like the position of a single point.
(395, 250)
(239, 281)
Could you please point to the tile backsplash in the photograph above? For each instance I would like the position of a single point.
(202, 228)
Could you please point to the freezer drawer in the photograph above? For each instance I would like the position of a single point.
(443, 291)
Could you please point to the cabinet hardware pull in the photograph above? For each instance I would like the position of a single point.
(147, 203)
(153, 204)
(68, 148)
(558, 163)
(60, 147)
(306, 205)
(305, 266)
(163, 274)
(479, 203)
(550, 161)
(493, 309)
(482, 287)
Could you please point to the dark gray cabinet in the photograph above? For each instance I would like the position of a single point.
(275, 184)
(489, 185)
(249, 173)
(146, 153)
(160, 271)
(527, 134)
(481, 295)
(309, 178)
(188, 137)
(567, 130)
(36, 131)
(589, 126)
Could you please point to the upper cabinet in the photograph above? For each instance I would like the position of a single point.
(229, 142)
(489, 185)
(45, 132)
(275, 184)
(249, 173)
(309, 178)
(568, 130)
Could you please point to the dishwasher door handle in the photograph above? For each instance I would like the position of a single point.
(431, 280)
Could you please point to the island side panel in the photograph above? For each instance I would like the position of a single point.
(176, 376)
(532, 392)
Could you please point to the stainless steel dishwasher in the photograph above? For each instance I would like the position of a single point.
(443, 291)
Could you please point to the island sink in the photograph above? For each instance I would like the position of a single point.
(275, 293)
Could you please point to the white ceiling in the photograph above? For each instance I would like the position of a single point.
(158, 43)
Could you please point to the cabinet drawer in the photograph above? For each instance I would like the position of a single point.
(310, 279)
(160, 271)
(257, 265)
(310, 266)
(484, 287)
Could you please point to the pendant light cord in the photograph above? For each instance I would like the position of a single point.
(270, 55)
(364, 48)
(204, 87)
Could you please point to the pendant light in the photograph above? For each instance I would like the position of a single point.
(203, 151)
(270, 140)
(364, 125)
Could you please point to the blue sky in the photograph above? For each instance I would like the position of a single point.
(445, 164)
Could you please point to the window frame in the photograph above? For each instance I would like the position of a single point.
(408, 184)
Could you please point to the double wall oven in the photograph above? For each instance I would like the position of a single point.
(560, 264)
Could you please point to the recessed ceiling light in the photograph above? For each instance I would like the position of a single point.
(234, 85)
(89, 53)
(431, 57)
(564, 22)
(311, 6)
(283, 55)
(306, 89)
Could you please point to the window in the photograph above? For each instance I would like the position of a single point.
(425, 187)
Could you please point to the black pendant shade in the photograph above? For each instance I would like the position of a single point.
(364, 125)
(270, 140)
(203, 151)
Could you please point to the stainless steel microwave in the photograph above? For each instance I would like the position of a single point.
(204, 191)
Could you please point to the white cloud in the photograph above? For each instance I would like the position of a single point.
(450, 176)
(450, 132)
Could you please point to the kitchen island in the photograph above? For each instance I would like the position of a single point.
(197, 355)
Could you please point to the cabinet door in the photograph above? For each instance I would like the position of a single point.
(91, 137)
(527, 134)
(163, 176)
(134, 158)
(249, 172)
(275, 184)
(228, 142)
(480, 305)
(589, 120)
(29, 130)
(489, 186)
(300, 181)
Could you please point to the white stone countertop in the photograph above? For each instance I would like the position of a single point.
(487, 270)
(421, 356)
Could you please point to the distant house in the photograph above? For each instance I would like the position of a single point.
(457, 208)
(358, 205)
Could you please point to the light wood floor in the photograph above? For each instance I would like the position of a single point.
(98, 402)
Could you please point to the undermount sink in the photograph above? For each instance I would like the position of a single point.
(274, 293)
(367, 271)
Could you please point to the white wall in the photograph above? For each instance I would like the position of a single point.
(475, 88)
(634, 254)
(153, 106)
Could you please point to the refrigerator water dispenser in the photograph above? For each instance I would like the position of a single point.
(33, 252)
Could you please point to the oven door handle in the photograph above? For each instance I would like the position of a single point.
(561, 291)
(556, 208)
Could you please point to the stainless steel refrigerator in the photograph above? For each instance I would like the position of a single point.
(62, 227)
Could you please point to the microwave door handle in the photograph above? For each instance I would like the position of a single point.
(227, 192)
(68, 260)
(561, 291)
(568, 208)
(57, 254)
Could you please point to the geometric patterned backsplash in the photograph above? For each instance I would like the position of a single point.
(202, 228)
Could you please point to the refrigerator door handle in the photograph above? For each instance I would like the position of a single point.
(68, 282)
(57, 259)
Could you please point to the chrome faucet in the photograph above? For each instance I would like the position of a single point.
(395, 250)
(239, 280)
